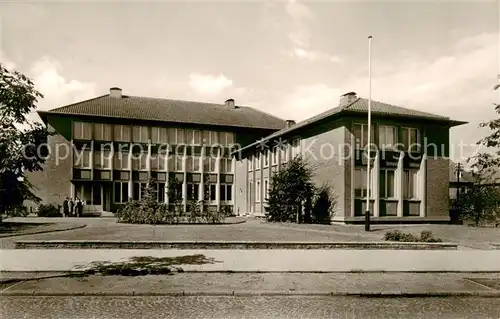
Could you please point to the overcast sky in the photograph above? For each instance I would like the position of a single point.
(290, 59)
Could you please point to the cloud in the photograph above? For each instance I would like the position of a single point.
(308, 100)
(6, 62)
(298, 11)
(209, 84)
(57, 90)
(314, 55)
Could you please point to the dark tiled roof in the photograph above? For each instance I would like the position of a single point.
(166, 110)
(360, 105)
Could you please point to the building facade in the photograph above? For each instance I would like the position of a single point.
(105, 150)
(409, 162)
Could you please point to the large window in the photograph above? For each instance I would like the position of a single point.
(193, 191)
(209, 192)
(410, 184)
(180, 136)
(139, 161)
(411, 139)
(159, 135)
(140, 134)
(250, 162)
(227, 138)
(193, 164)
(274, 156)
(257, 161)
(209, 165)
(295, 148)
(158, 162)
(226, 165)
(172, 136)
(266, 158)
(102, 132)
(257, 191)
(361, 134)
(284, 154)
(161, 192)
(139, 190)
(81, 159)
(266, 188)
(82, 131)
(360, 188)
(122, 133)
(387, 184)
(226, 192)
(175, 163)
(121, 192)
(121, 160)
(387, 136)
(102, 159)
(210, 137)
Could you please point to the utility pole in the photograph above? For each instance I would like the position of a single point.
(368, 190)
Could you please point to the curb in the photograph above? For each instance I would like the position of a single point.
(45, 231)
(492, 294)
(239, 245)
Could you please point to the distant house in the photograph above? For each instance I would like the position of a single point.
(410, 171)
(459, 181)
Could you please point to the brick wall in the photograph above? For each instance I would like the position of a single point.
(324, 152)
(437, 187)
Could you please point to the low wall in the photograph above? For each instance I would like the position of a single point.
(98, 244)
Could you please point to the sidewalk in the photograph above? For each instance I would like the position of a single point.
(266, 260)
(217, 284)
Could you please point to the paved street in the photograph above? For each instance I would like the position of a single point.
(248, 307)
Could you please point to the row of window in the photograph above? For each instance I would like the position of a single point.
(387, 136)
(142, 134)
(121, 192)
(387, 183)
(102, 160)
(259, 190)
(254, 161)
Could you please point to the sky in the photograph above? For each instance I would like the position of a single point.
(292, 59)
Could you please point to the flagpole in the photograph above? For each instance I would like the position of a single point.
(367, 213)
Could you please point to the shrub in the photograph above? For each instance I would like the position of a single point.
(48, 210)
(323, 204)
(425, 236)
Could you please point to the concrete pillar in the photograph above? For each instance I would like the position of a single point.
(217, 171)
(422, 183)
(399, 176)
(375, 183)
(130, 183)
(166, 175)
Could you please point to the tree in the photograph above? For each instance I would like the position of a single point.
(22, 142)
(291, 188)
(489, 162)
(480, 204)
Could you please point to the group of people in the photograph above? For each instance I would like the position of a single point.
(72, 207)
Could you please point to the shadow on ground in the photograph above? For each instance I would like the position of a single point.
(144, 265)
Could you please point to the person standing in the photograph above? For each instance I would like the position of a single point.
(66, 207)
(71, 207)
(79, 207)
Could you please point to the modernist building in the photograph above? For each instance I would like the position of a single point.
(107, 148)
(409, 166)
(226, 154)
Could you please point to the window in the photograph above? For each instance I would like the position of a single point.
(139, 161)
(284, 154)
(158, 162)
(161, 192)
(361, 134)
(209, 192)
(226, 165)
(121, 160)
(295, 148)
(193, 164)
(275, 156)
(250, 162)
(193, 191)
(360, 188)
(226, 192)
(266, 158)
(177, 194)
(266, 188)
(387, 184)
(121, 192)
(159, 135)
(175, 163)
(257, 161)
(82, 158)
(257, 191)
(411, 139)
(227, 138)
(180, 136)
(102, 159)
(122, 133)
(139, 191)
(410, 184)
(209, 164)
(140, 134)
(387, 136)
(82, 131)
(102, 132)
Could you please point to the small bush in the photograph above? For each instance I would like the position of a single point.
(48, 210)
(425, 237)
(323, 204)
